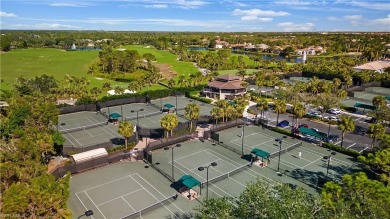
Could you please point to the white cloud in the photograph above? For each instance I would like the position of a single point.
(55, 26)
(156, 6)
(353, 17)
(60, 4)
(255, 18)
(385, 22)
(5, 14)
(291, 27)
(371, 5)
(185, 4)
(300, 3)
(259, 12)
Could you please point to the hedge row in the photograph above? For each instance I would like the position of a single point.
(192, 95)
(282, 131)
(121, 148)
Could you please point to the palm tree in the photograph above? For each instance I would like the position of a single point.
(106, 87)
(299, 110)
(169, 122)
(134, 86)
(119, 90)
(379, 101)
(223, 104)
(326, 101)
(374, 131)
(262, 105)
(171, 83)
(341, 94)
(126, 129)
(230, 111)
(279, 107)
(192, 112)
(216, 113)
(96, 92)
(242, 73)
(336, 84)
(346, 124)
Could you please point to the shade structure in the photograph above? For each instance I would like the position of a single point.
(189, 181)
(260, 153)
(169, 106)
(364, 106)
(115, 115)
(312, 132)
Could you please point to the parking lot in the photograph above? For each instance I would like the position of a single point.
(354, 140)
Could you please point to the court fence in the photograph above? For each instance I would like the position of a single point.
(226, 125)
(98, 162)
(71, 149)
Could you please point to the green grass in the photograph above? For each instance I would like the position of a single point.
(165, 57)
(234, 71)
(58, 63)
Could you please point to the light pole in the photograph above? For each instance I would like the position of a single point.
(87, 213)
(173, 172)
(176, 102)
(280, 140)
(242, 138)
(137, 114)
(329, 158)
(213, 164)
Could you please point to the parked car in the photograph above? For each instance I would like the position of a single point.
(303, 125)
(332, 118)
(283, 123)
(334, 111)
(315, 114)
(332, 138)
(360, 130)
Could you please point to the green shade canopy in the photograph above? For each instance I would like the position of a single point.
(169, 106)
(387, 97)
(115, 115)
(312, 132)
(364, 106)
(232, 102)
(189, 181)
(260, 153)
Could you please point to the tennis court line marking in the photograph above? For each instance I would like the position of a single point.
(106, 183)
(105, 129)
(351, 145)
(271, 180)
(311, 163)
(74, 138)
(95, 205)
(203, 180)
(120, 196)
(284, 161)
(130, 205)
(204, 164)
(322, 155)
(151, 193)
(194, 154)
(230, 177)
(160, 193)
(82, 203)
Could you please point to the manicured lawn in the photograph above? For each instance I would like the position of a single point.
(165, 57)
(58, 63)
(234, 71)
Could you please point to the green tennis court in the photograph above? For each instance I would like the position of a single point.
(364, 95)
(143, 110)
(180, 100)
(378, 90)
(153, 122)
(79, 121)
(124, 190)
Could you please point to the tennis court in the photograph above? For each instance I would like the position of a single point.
(143, 109)
(364, 95)
(378, 90)
(311, 166)
(123, 190)
(79, 121)
(153, 122)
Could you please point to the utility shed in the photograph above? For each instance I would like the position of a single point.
(89, 155)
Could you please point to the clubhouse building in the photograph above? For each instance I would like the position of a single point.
(224, 87)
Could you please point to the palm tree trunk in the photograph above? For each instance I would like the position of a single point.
(373, 142)
(342, 139)
(126, 142)
(277, 119)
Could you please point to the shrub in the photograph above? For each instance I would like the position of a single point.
(282, 131)
(85, 100)
(348, 108)
(193, 95)
(181, 132)
(130, 146)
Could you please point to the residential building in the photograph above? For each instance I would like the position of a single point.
(225, 87)
(219, 44)
(377, 66)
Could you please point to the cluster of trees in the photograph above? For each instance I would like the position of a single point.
(356, 197)
(27, 142)
(229, 110)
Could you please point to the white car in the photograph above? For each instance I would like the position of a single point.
(315, 114)
(334, 111)
(331, 118)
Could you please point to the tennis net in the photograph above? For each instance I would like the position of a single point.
(285, 150)
(228, 174)
(138, 214)
(143, 116)
(62, 130)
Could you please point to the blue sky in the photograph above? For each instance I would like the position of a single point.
(197, 15)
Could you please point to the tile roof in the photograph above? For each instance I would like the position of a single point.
(226, 85)
(228, 77)
(374, 66)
